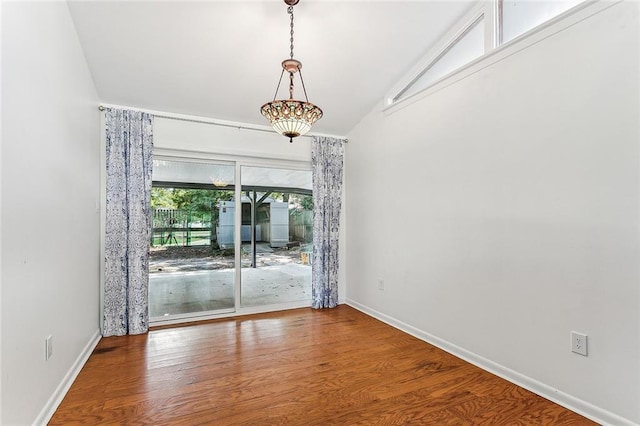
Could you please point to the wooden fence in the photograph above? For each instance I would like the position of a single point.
(301, 226)
(175, 227)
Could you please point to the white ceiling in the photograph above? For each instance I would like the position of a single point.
(221, 59)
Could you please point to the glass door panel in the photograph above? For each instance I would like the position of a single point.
(192, 263)
(276, 235)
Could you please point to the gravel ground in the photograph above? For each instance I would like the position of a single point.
(199, 258)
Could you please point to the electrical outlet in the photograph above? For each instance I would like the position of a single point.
(579, 343)
(48, 347)
(380, 284)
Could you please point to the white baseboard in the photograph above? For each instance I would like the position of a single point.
(52, 404)
(577, 405)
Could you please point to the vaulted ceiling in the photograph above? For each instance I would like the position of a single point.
(221, 59)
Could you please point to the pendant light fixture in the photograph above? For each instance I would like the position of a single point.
(290, 117)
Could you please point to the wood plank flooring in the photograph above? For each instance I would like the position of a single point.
(298, 367)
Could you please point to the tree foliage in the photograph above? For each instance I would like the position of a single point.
(162, 198)
(301, 202)
(201, 204)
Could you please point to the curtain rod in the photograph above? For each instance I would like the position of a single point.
(233, 125)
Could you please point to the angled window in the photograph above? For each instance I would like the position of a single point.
(516, 17)
(485, 27)
(469, 45)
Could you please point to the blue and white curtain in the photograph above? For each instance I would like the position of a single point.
(129, 143)
(327, 160)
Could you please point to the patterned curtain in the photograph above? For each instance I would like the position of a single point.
(326, 159)
(128, 221)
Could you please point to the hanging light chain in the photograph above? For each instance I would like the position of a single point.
(291, 118)
(290, 12)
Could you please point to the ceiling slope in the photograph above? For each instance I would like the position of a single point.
(221, 59)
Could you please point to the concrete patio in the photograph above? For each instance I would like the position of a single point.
(172, 293)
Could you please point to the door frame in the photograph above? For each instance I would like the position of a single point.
(239, 162)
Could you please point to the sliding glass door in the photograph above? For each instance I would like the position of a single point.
(276, 236)
(205, 224)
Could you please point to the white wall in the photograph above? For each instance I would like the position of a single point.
(502, 213)
(50, 216)
(169, 134)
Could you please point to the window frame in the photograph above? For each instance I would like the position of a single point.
(477, 13)
(238, 161)
(441, 55)
(495, 50)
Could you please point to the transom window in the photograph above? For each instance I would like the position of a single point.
(487, 26)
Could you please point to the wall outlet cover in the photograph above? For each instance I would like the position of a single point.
(579, 343)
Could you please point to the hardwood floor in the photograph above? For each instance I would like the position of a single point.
(298, 367)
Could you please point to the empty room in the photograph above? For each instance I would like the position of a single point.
(313, 212)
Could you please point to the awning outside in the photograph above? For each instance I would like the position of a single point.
(223, 175)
